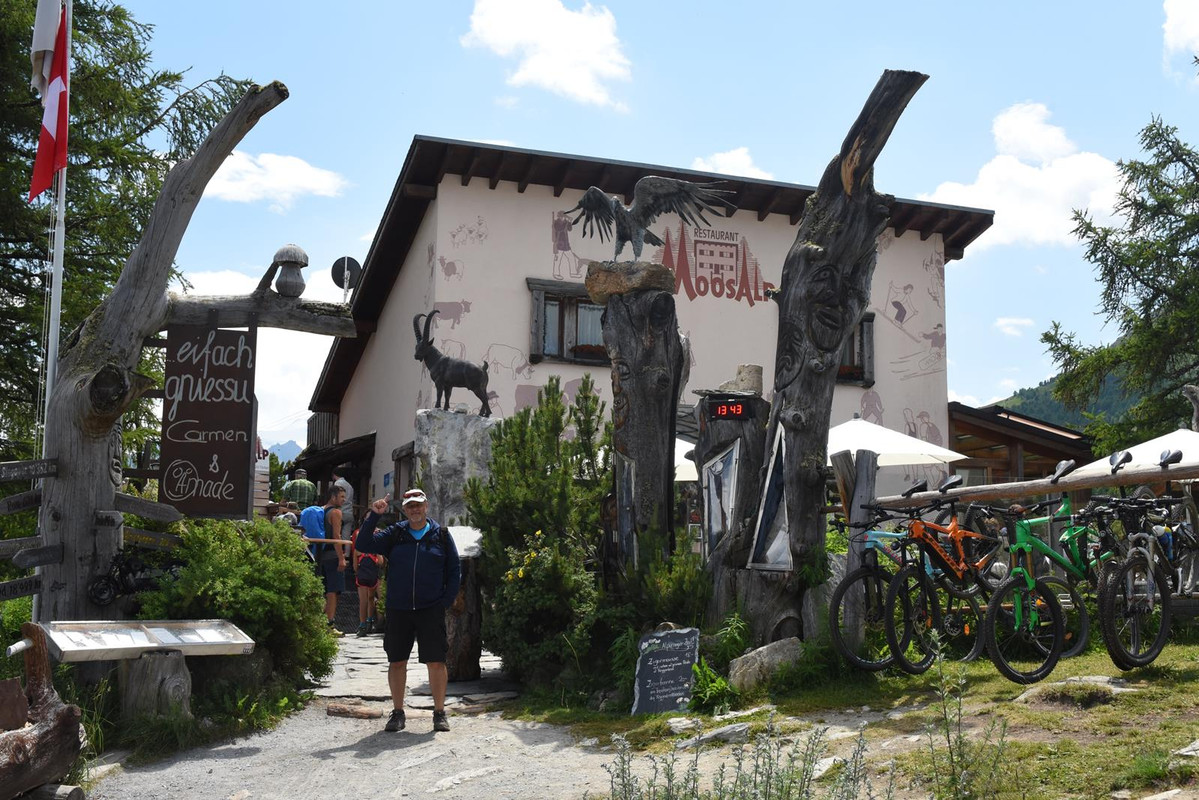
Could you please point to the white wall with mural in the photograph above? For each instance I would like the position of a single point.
(386, 388)
(477, 246)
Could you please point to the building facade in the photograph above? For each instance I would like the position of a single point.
(483, 236)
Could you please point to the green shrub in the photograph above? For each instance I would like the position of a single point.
(256, 576)
(711, 693)
(542, 610)
(676, 590)
(13, 613)
(730, 641)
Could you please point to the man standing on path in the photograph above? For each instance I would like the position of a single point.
(299, 490)
(423, 575)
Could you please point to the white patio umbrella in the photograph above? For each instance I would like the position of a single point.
(684, 468)
(893, 448)
(1148, 454)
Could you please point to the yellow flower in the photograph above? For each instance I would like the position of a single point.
(520, 573)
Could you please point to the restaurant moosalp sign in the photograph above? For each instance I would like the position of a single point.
(208, 421)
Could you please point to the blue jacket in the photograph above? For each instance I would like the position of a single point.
(420, 573)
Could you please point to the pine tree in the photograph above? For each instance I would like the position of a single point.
(1148, 268)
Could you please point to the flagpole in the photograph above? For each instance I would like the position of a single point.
(56, 271)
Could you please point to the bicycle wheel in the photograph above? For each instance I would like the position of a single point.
(1024, 652)
(1135, 613)
(864, 645)
(961, 627)
(912, 615)
(1075, 617)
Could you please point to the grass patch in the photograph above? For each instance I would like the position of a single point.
(1079, 695)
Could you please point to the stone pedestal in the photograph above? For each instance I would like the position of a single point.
(450, 448)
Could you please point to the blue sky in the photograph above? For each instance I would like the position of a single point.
(1028, 107)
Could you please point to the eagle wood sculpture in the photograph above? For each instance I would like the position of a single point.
(652, 197)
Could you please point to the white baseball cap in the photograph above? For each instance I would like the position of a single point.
(414, 496)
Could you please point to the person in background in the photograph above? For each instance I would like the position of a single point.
(300, 490)
(423, 576)
(347, 506)
(289, 514)
(368, 568)
(324, 522)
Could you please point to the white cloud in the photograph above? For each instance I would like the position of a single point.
(369, 236)
(1180, 32)
(737, 161)
(288, 362)
(244, 178)
(507, 101)
(1013, 326)
(964, 399)
(574, 54)
(1023, 131)
(1009, 383)
(1034, 182)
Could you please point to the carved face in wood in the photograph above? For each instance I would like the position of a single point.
(116, 472)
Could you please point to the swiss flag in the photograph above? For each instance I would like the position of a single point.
(52, 144)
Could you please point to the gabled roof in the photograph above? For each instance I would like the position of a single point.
(431, 159)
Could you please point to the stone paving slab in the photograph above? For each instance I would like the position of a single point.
(360, 671)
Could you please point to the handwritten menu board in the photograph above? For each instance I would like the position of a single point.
(208, 421)
(664, 677)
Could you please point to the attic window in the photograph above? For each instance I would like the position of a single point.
(565, 325)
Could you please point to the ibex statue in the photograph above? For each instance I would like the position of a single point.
(449, 372)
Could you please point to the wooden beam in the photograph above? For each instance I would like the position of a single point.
(768, 206)
(28, 470)
(473, 167)
(419, 191)
(1131, 476)
(150, 540)
(268, 310)
(366, 325)
(525, 178)
(494, 180)
(154, 394)
(154, 341)
(564, 178)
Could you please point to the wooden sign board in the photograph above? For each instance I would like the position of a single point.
(39, 556)
(159, 512)
(664, 676)
(21, 502)
(102, 640)
(28, 470)
(208, 421)
(151, 540)
(21, 587)
(10, 547)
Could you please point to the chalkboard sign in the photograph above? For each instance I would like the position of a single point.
(208, 421)
(664, 676)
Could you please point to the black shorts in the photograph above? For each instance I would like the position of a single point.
(425, 626)
(333, 578)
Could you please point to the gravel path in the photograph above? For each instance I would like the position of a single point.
(312, 756)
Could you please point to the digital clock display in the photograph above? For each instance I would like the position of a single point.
(729, 408)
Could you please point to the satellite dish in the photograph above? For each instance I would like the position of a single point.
(345, 273)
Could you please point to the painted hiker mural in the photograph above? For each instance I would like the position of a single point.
(560, 228)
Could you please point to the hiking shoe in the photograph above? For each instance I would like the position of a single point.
(396, 721)
(440, 723)
(370, 625)
(361, 630)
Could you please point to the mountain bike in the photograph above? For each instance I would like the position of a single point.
(920, 600)
(857, 604)
(1135, 601)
